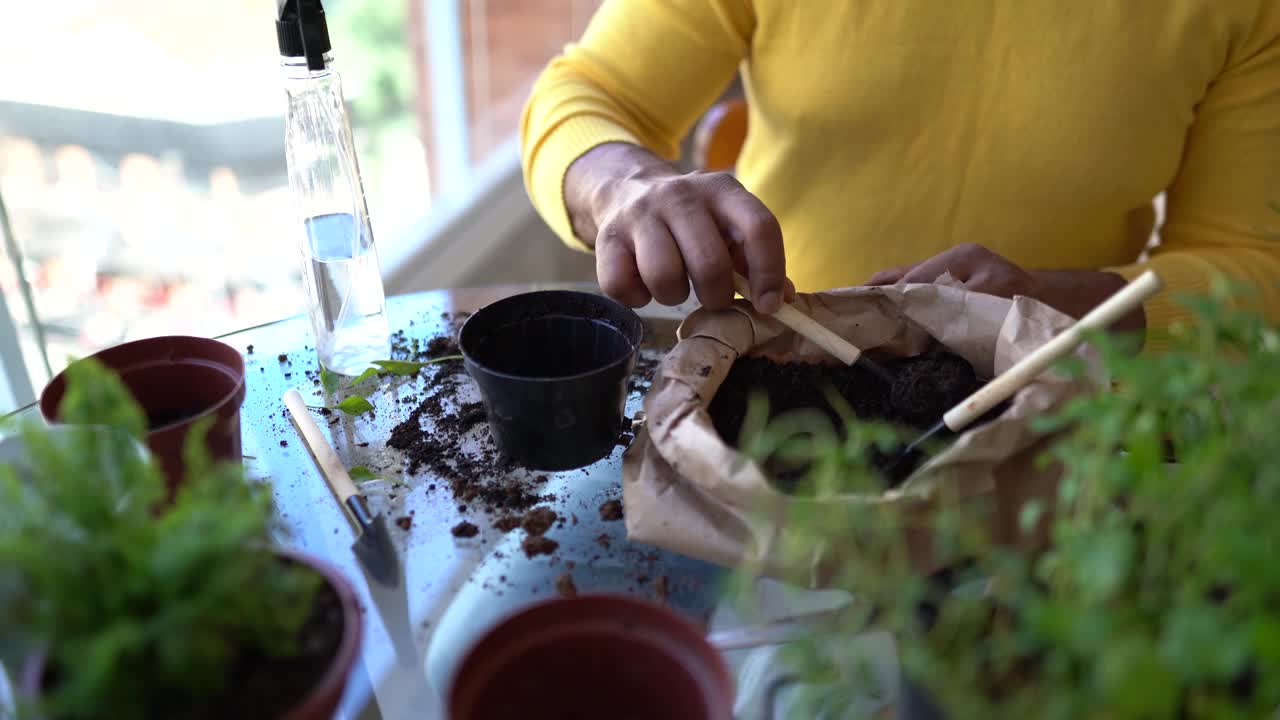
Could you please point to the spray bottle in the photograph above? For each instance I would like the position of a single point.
(339, 261)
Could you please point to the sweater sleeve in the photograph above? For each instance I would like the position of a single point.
(1222, 207)
(643, 73)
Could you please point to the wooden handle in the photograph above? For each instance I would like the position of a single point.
(331, 467)
(1030, 367)
(806, 326)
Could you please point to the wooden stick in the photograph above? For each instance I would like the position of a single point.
(1027, 369)
(331, 467)
(806, 326)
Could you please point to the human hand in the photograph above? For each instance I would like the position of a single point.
(1074, 292)
(980, 269)
(655, 229)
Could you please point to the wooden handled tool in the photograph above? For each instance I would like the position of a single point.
(822, 336)
(1030, 367)
(373, 545)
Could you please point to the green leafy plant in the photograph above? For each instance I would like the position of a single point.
(360, 387)
(141, 607)
(376, 59)
(360, 472)
(1156, 596)
(355, 405)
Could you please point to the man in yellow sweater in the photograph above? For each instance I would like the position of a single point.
(1017, 144)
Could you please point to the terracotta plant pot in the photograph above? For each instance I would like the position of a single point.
(592, 656)
(177, 380)
(322, 701)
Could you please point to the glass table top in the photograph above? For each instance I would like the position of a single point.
(453, 588)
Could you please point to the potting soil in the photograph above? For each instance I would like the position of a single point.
(447, 436)
(924, 388)
(267, 687)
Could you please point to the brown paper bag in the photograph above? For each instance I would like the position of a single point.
(686, 490)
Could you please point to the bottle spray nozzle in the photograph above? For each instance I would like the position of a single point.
(302, 31)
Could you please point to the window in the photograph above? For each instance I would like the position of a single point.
(144, 172)
(507, 45)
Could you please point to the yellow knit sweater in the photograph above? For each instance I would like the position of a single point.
(882, 133)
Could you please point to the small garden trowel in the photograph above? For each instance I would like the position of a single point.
(1029, 367)
(373, 545)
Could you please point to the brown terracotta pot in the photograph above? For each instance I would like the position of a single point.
(592, 656)
(322, 702)
(177, 380)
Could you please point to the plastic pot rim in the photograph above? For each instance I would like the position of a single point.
(621, 360)
(59, 380)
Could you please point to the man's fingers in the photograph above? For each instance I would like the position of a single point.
(617, 271)
(706, 257)
(659, 259)
(760, 236)
(960, 261)
(980, 269)
(932, 269)
(693, 229)
(889, 277)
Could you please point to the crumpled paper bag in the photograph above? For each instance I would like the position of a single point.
(686, 490)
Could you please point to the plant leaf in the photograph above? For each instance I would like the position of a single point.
(96, 395)
(407, 367)
(184, 582)
(355, 405)
(329, 380)
(361, 472)
(368, 373)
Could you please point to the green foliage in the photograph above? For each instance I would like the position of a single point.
(330, 380)
(90, 400)
(407, 368)
(361, 472)
(835, 456)
(375, 58)
(361, 387)
(143, 608)
(355, 405)
(1157, 596)
(368, 374)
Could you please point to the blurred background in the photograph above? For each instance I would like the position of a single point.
(142, 162)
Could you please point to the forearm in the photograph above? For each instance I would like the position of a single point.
(591, 183)
(643, 73)
(1252, 274)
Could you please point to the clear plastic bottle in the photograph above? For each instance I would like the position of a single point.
(339, 260)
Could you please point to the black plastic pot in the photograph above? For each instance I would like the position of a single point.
(552, 367)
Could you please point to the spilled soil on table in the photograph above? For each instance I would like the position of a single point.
(476, 471)
(447, 436)
(924, 388)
